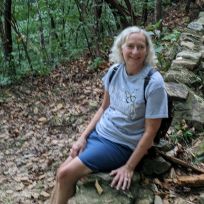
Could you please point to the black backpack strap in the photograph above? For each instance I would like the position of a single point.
(113, 73)
(147, 79)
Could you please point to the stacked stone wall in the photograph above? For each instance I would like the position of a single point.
(185, 78)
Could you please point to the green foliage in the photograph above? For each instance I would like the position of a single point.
(165, 48)
(182, 133)
(4, 80)
(38, 46)
(153, 27)
(172, 37)
(49, 32)
(96, 63)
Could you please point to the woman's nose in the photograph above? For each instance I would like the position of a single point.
(135, 50)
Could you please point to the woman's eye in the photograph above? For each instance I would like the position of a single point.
(140, 47)
(130, 46)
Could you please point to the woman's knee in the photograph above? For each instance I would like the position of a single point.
(63, 174)
(72, 171)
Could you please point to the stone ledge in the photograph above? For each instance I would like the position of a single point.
(177, 91)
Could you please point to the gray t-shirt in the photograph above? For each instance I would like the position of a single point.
(123, 121)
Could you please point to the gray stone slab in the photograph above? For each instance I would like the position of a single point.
(182, 76)
(184, 63)
(188, 45)
(194, 56)
(177, 91)
(197, 26)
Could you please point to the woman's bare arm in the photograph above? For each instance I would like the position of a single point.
(151, 128)
(123, 175)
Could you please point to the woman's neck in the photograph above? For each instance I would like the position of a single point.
(130, 70)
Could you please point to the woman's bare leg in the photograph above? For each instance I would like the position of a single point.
(54, 191)
(67, 176)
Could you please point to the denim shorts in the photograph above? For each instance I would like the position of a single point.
(103, 155)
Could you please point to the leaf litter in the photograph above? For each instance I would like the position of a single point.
(40, 120)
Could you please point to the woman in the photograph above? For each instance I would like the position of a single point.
(124, 127)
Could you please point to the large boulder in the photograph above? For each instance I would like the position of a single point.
(198, 24)
(177, 91)
(192, 110)
(183, 76)
(87, 192)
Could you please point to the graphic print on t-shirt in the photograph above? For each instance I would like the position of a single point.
(126, 102)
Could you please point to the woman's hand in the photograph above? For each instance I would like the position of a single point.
(78, 147)
(122, 178)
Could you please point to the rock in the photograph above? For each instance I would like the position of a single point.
(183, 76)
(145, 195)
(188, 45)
(190, 37)
(184, 63)
(200, 20)
(196, 26)
(201, 14)
(198, 149)
(177, 91)
(179, 201)
(164, 145)
(202, 66)
(87, 194)
(158, 200)
(202, 52)
(192, 111)
(155, 166)
(194, 56)
(201, 199)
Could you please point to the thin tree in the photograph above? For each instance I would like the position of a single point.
(97, 27)
(82, 9)
(2, 32)
(158, 12)
(41, 29)
(119, 12)
(188, 6)
(131, 12)
(22, 40)
(7, 30)
(145, 12)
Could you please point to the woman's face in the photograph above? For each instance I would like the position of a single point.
(134, 51)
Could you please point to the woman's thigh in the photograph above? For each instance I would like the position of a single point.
(67, 161)
(73, 169)
(103, 155)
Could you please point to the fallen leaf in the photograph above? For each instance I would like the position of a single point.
(42, 119)
(98, 187)
(20, 187)
(45, 194)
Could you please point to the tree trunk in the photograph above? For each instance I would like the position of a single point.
(97, 26)
(81, 9)
(42, 37)
(22, 40)
(188, 6)
(131, 12)
(145, 12)
(158, 12)
(119, 11)
(2, 32)
(7, 29)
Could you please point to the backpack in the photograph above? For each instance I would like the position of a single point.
(166, 122)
